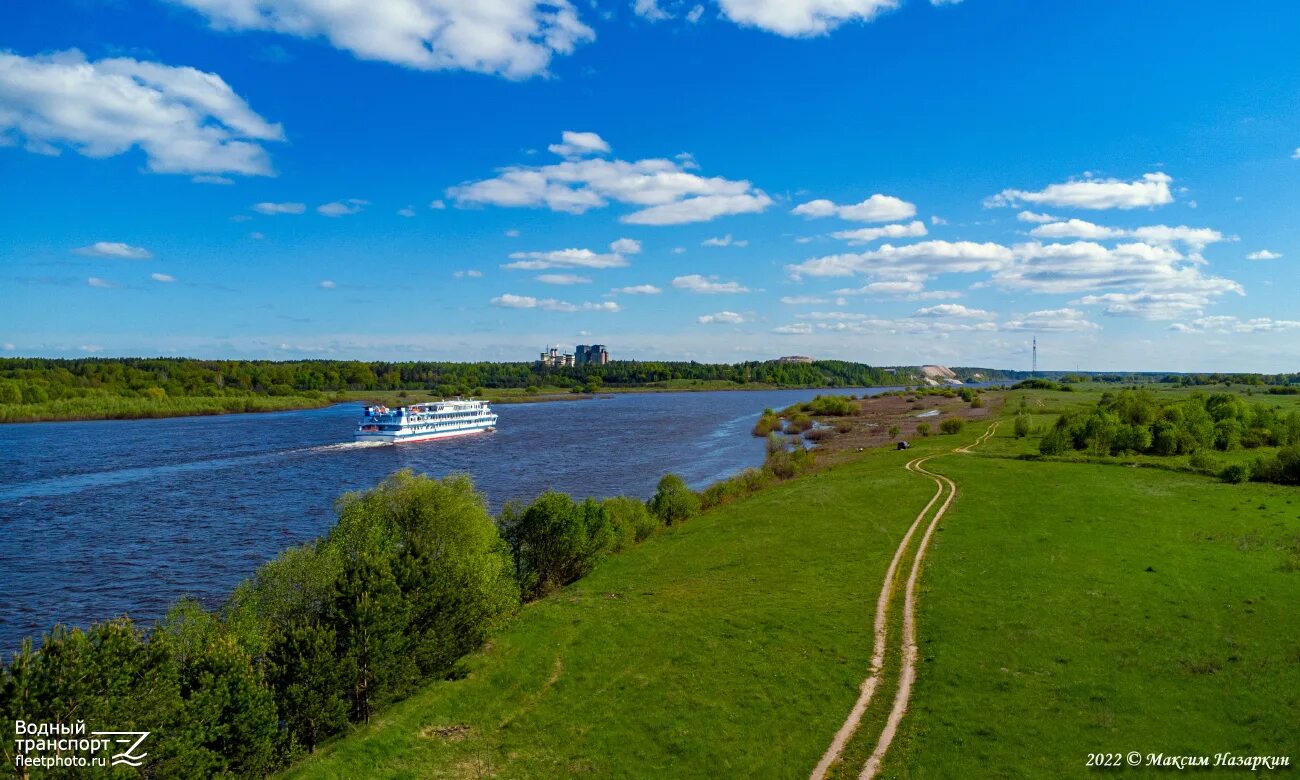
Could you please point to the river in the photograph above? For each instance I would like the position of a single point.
(98, 519)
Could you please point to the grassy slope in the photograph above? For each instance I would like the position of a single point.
(733, 647)
(1045, 637)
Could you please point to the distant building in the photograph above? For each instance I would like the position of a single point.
(591, 354)
(554, 358)
(794, 359)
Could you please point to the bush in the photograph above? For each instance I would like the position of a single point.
(831, 406)
(631, 519)
(976, 402)
(894, 430)
(1235, 473)
(1022, 425)
(556, 540)
(767, 423)
(923, 428)
(820, 434)
(952, 425)
(673, 501)
(1203, 463)
(798, 423)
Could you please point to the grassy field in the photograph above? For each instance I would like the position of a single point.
(116, 408)
(730, 646)
(1066, 608)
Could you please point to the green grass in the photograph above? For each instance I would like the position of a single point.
(1076, 608)
(730, 646)
(118, 408)
(1066, 608)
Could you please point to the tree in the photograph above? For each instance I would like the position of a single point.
(308, 683)
(673, 501)
(1022, 426)
(556, 541)
(952, 425)
(369, 619)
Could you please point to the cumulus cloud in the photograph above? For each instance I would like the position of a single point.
(272, 209)
(515, 39)
(115, 249)
(799, 300)
(342, 209)
(1096, 194)
(802, 18)
(877, 208)
(1149, 305)
(721, 318)
(1030, 216)
(913, 229)
(1086, 266)
(1052, 320)
(467, 274)
(637, 289)
(102, 284)
(575, 258)
(707, 285)
(1195, 239)
(165, 278)
(510, 301)
(408, 211)
(328, 284)
(912, 261)
(563, 279)
(795, 329)
(1263, 254)
(186, 121)
(954, 310)
(665, 191)
(1225, 324)
(650, 9)
(573, 144)
(726, 240)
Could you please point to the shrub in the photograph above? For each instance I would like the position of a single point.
(673, 501)
(843, 426)
(798, 423)
(1203, 463)
(923, 428)
(767, 422)
(1022, 425)
(556, 540)
(775, 443)
(1235, 473)
(631, 520)
(894, 430)
(831, 405)
(976, 402)
(820, 434)
(952, 425)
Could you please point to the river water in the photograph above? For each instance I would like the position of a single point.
(103, 518)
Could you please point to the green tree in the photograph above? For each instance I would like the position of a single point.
(673, 501)
(1022, 426)
(308, 683)
(369, 618)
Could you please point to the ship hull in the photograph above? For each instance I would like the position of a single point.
(399, 437)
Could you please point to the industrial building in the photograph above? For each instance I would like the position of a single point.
(554, 358)
(593, 354)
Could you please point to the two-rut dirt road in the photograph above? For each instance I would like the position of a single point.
(945, 492)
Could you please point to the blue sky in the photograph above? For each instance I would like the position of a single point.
(890, 182)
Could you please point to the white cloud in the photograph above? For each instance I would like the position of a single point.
(280, 208)
(707, 285)
(893, 287)
(185, 120)
(8, 346)
(341, 209)
(637, 289)
(726, 240)
(563, 279)
(509, 301)
(1225, 324)
(926, 258)
(103, 284)
(1195, 238)
(877, 208)
(1296, 154)
(257, 235)
(512, 233)
(664, 190)
(328, 284)
(954, 310)
(799, 300)
(1029, 216)
(721, 318)
(913, 229)
(468, 274)
(1150, 190)
(574, 145)
(626, 246)
(115, 249)
(437, 205)
(575, 258)
(408, 211)
(797, 329)
(1086, 266)
(207, 178)
(799, 18)
(1263, 254)
(1149, 305)
(1052, 320)
(694, 14)
(650, 9)
(165, 278)
(514, 38)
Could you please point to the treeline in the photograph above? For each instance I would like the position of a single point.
(414, 575)
(39, 380)
(1138, 421)
(1256, 380)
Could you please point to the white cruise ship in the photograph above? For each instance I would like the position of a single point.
(421, 422)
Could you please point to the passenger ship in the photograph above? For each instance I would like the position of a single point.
(421, 422)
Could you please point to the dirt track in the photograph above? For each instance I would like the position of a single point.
(907, 669)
